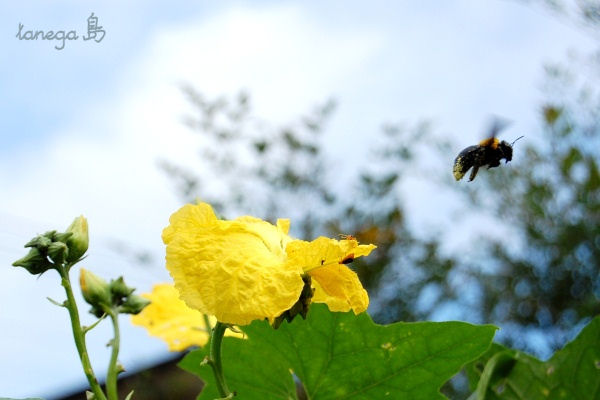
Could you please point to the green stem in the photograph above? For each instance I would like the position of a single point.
(78, 335)
(207, 326)
(86, 329)
(215, 359)
(113, 368)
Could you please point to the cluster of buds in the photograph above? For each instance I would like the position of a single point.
(58, 250)
(115, 295)
(300, 307)
(53, 249)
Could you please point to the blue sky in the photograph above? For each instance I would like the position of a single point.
(82, 127)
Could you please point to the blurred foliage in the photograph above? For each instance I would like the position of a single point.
(249, 165)
(552, 203)
(581, 12)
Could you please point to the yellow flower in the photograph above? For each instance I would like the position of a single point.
(168, 318)
(248, 269)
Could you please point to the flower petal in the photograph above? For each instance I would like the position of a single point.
(168, 318)
(324, 251)
(188, 217)
(339, 287)
(234, 270)
(335, 284)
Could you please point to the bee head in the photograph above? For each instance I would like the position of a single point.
(506, 149)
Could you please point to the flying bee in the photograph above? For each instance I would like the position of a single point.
(488, 153)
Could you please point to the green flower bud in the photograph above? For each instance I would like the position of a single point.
(300, 307)
(58, 252)
(34, 262)
(133, 304)
(119, 289)
(95, 291)
(79, 240)
(41, 241)
(62, 237)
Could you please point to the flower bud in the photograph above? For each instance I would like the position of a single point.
(34, 262)
(95, 290)
(41, 241)
(119, 289)
(134, 304)
(300, 307)
(61, 237)
(58, 252)
(79, 240)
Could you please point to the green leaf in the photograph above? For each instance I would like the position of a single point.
(592, 182)
(568, 161)
(343, 356)
(572, 373)
(551, 114)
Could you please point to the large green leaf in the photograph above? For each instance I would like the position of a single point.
(344, 356)
(572, 373)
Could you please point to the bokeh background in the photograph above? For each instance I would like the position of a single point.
(343, 116)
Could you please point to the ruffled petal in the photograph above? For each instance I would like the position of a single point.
(234, 270)
(188, 218)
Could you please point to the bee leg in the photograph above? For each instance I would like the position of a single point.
(493, 164)
(473, 173)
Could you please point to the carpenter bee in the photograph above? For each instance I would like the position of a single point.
(488, 153)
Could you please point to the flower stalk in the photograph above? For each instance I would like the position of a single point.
(61, 251)
(113, 366)
(214, 360)
(78, 333)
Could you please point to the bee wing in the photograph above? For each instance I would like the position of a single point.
(496, 124)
